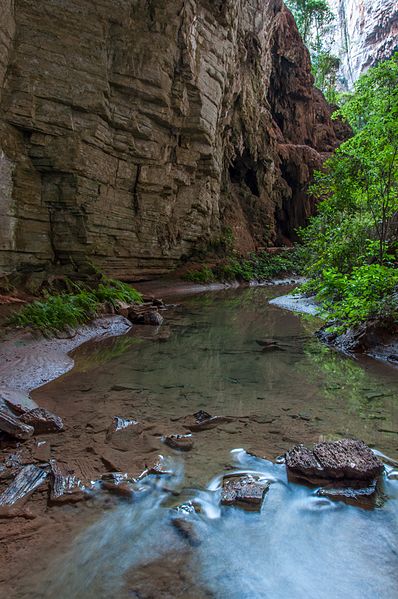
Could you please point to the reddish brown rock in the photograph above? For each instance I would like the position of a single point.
(65, 488)
(244, 491)
(187, 531)
(186, 119)
(18, 401)
(202, 421)
(12, 425)
(145, 316)
(43, 421)
(180, 442)
(343, 459)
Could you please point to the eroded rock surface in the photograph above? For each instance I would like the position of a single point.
(367, 32)
(133, 130)
(344, 459)
(244, 491)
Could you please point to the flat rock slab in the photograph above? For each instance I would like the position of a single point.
(202, 421)
(25, 483)
(244, 491)
(344, 459)
(65, 488)
(12, 425)
(180, 442)
(17, 400)
(43, 421)
(350, 490)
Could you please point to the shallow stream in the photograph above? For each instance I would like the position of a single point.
(207, 357)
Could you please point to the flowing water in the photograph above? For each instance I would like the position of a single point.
(207, 357)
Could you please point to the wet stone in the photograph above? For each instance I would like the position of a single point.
(119, 424)
(146, 316)
(244, 491)
(344, 459)
(202, 421)
(121, 489)
(17, 401)
(159, 467)
(12, 425)
(351, 490)
(187, 531)
(65, 488)
(180, 442)
(25, 483)
(43, 421)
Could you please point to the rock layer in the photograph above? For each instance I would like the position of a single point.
(367, 33)
(134, 131)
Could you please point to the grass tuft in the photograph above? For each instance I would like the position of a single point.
(58, 312)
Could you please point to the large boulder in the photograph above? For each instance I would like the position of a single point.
(343, 459)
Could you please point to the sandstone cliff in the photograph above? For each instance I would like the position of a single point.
(367, 32)
(132, 131)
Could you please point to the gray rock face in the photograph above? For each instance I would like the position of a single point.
(367, 33)
(133, 130)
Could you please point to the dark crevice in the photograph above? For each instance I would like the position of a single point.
(136, 203)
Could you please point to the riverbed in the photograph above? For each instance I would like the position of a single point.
(229, 353)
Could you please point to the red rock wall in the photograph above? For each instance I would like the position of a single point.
(133, 131)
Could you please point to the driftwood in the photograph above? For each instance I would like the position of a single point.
(13, 426)
(25, 483)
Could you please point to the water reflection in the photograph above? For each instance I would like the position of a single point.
(208, 358)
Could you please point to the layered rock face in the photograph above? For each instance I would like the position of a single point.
(134, 131)
(367, 33)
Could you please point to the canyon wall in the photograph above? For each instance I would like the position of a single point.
(367, 32)
(133, 132)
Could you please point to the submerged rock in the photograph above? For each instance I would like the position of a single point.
(181, 442)
(145, 315)
(244, 491)
(352, 489)
(43, 421)
(119, 424)
(202, 421)
(344, 459)
(187, 531)
(65, 488)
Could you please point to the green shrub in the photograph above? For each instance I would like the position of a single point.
(57, 312)
(351, 245)
(259, 267)
(203, 275)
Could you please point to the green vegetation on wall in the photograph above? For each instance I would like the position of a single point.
(315, 21)
(352, 243)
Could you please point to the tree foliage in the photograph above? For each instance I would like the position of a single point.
(315, 21)
(352, 242)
